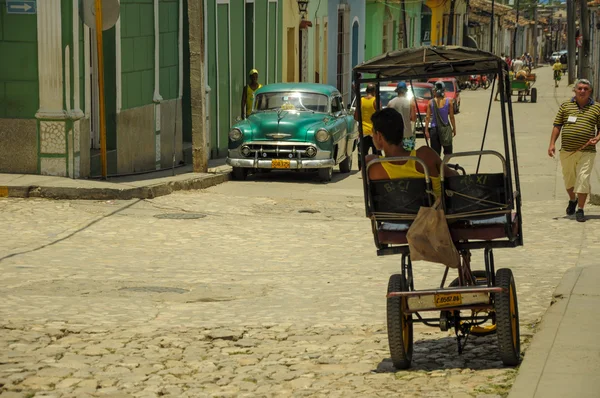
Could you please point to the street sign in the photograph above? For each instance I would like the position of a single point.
(21, 6)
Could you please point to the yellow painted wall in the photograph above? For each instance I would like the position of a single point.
(438, 7)
(291, 20)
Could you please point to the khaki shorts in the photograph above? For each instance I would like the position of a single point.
(577, 169)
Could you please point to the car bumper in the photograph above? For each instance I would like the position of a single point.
(295, 164)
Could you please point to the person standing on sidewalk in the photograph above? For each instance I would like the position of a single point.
(406, 108)
(443, 125)
(579, 122)
(248, 93)
(368, 106)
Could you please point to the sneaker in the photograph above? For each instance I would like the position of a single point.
(579, 216)
(571, 207)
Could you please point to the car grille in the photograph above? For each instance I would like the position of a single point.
(279, 151)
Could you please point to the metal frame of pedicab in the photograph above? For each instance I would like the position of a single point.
(498, 289)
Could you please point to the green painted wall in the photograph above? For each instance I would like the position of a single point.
(137, 52)
(19, 87)
(211, 57)
(224, 92)
(238, 72)
(240, 36)
(375, 17)
(169, 48)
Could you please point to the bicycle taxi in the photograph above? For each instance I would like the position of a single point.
(482, 210)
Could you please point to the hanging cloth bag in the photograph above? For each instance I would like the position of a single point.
(429, 238)
(444, 130)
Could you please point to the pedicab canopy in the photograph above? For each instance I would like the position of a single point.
(431, 61)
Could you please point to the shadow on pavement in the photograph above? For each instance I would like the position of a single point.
(442, 354)
(308, 177)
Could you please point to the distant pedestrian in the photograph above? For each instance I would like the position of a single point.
(579, 122)
(368, 106)
(440, 111)
(517, 65)
(406, 108)
(248, 93)
(557, 69)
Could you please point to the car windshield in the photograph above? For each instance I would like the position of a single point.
(292, 100)
(420, 92)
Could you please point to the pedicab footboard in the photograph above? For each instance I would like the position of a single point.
(448, 299)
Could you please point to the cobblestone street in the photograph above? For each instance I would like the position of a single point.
(275, 290)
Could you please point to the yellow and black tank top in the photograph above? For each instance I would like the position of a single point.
(409, 170)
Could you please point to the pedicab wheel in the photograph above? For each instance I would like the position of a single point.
(480, 330)
(239, 173)
(326, 174)
(399, 324)
(507, 318)
(534, 95)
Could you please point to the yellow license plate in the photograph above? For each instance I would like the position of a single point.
(448, 300)
(280, 164)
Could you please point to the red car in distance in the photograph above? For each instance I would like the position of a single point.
(423, 92)
(452, 90)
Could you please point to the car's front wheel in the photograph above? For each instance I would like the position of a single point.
(346, 164)
(239, 173)
(326, 174)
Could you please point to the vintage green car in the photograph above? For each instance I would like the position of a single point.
(294, 126)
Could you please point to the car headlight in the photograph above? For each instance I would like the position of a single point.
(235, 135)
(322, 135)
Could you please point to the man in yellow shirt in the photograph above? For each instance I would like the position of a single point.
(368, 106)
(248, 93)
(557, 68)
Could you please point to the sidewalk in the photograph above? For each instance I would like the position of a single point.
(563, 360)
(139, 186)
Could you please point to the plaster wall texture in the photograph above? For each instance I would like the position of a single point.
(18, 151)
(136, 140)
(168, 119)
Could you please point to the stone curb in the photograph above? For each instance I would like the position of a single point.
(532, 367)
(147, 192)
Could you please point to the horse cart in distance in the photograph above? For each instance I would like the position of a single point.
(522, 86)
(482, 210)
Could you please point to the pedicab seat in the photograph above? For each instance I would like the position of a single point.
(477, 207)
(394, 205)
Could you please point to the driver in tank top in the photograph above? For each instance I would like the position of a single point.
(388, 132)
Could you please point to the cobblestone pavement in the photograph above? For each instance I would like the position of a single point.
(255, 299)
(275, 291)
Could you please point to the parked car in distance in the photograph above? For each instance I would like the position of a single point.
(423, 92)
(452, 90)
(386, 93)
(294, 126)
(556, 55)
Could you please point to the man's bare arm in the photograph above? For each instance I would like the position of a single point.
(553, 138)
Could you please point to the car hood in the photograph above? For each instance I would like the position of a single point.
(293, 126)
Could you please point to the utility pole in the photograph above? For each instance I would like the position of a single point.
(450, 37)
(197, 81)
(571, 40)
(535, 36)
(514, 51)
(492, 29)
(584, 28)
(404, 33)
